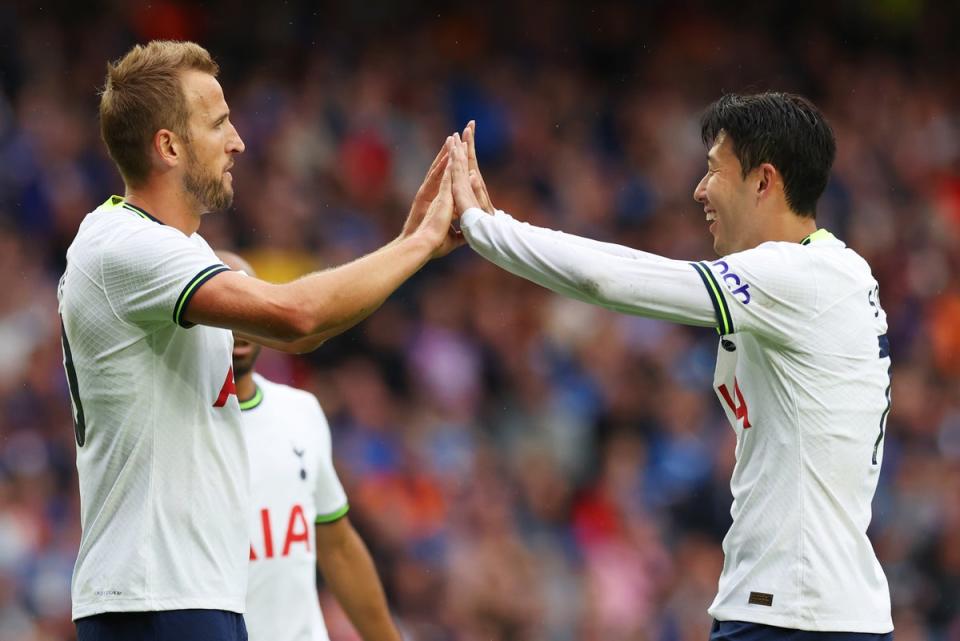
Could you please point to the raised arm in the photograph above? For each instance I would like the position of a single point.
(301, 315)
(604, 274)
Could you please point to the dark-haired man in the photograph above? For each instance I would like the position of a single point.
(802, 367)
(293, 485)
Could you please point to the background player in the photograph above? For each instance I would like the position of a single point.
(293, 484)
(802, 367)
(160, 455)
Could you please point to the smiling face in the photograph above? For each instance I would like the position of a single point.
(213, 142)
(729, 199)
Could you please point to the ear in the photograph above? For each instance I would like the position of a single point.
(767, 178)
(168, 149)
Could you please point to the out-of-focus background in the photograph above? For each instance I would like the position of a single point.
(522, 466)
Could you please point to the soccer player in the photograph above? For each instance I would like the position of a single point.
(294, 484)
(802, 365)
(161, 459)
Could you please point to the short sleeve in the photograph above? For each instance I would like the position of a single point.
(331, 500)
(150, 274)
(769, 291)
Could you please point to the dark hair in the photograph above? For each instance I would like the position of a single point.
(143, 94)
(782, 129)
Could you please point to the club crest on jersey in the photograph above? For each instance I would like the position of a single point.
(300, 453)
(732, 280)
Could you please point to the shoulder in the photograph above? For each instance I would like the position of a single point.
(285, 396)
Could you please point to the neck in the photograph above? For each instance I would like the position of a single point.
(787, 227)
(167, 203)
(246, 388)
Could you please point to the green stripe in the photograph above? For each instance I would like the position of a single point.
(253, 401)
(724, 319)
(333, 516)
(820, 234)
(187, 292)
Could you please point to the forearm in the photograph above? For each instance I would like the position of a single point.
(301, 315)
(352, 577)
(611, 276)
(336, 299)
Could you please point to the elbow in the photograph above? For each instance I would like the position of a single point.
(290, 320)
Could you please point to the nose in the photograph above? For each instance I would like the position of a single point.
(236, 145)
(700, 191)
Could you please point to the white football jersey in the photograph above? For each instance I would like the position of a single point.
(293, 486)
(160, 452)
(803, 376)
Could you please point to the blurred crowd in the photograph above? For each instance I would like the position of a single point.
(523, 467)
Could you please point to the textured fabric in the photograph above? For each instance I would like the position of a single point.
(161, 461)
(802, 374)
(293, 485)
(173, 625)
(806, 369)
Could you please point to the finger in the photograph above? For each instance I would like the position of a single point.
(446, 179)
(428, 188)
(470, 138)
(438, 158)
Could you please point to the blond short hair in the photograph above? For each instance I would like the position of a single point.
(143, 93)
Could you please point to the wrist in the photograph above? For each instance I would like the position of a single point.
(418, 242)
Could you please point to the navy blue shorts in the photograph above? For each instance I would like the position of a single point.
(166, 625)
(745, 631)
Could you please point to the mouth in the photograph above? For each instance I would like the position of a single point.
(711, 217)
(242, 348)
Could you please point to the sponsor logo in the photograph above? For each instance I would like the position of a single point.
(297, 532)
(760, 598)
(739, 289)
(229, 387)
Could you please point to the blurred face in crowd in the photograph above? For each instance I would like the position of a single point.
(245, 356)
(213, 142)
(729, 199)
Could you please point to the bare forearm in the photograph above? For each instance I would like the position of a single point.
(352, 577)
(299, 316)
(334, 300)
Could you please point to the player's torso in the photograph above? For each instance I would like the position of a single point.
(161, 462)
(281, 434)
(808, 420)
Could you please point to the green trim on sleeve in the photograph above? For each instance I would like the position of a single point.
(253, 401)
(720, 308)
(205, 274)
(333, 516)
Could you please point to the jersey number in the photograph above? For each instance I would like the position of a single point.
(79, 423)
(739, 408)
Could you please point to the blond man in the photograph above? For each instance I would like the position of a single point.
(147, 310)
